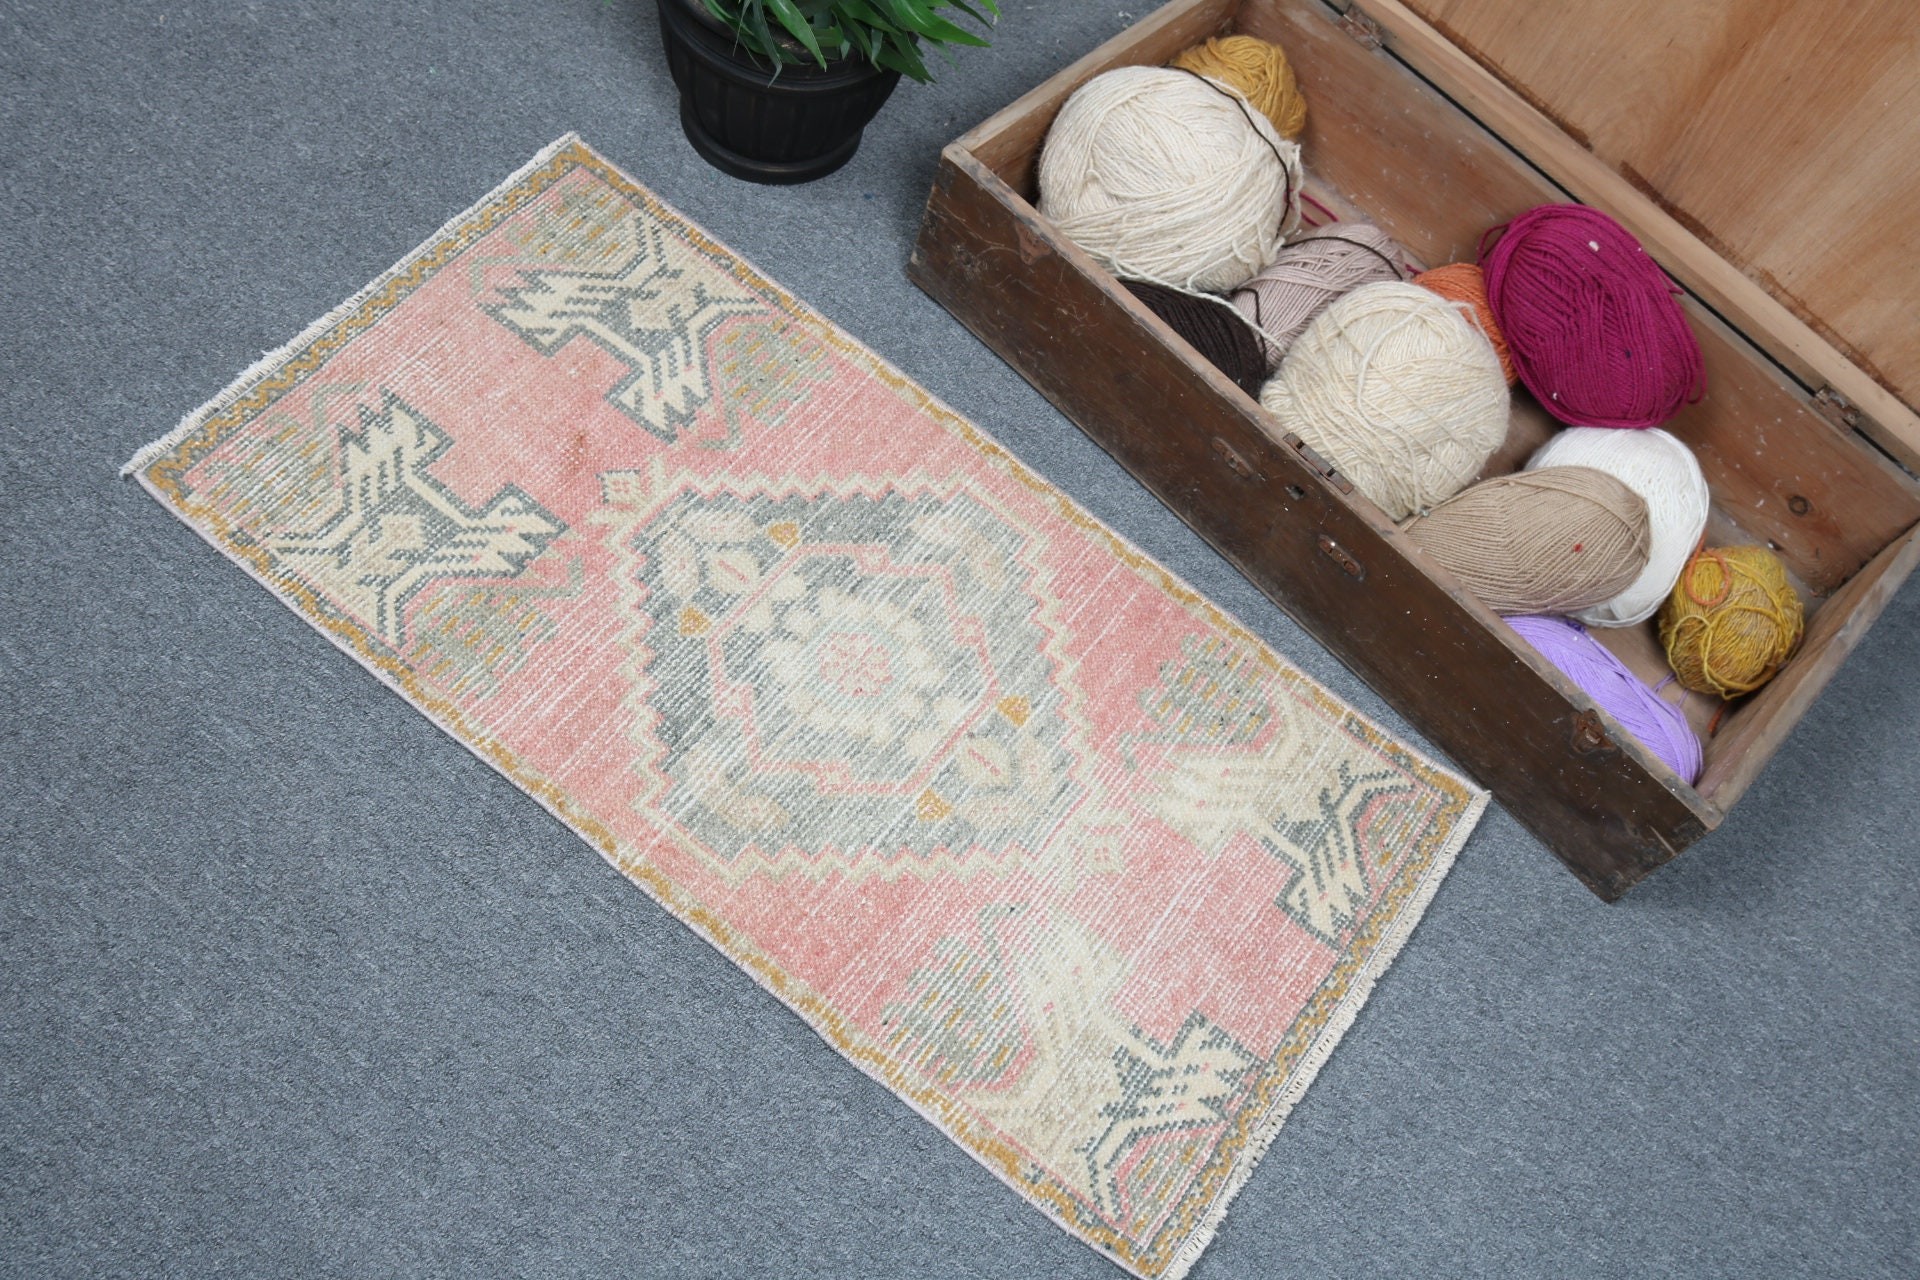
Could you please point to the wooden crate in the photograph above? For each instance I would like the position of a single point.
(1390, 137)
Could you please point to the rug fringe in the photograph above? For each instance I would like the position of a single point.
(1329, 1038)
(271, 360)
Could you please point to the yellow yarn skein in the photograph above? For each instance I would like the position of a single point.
(1258, 70)
(1732, 621)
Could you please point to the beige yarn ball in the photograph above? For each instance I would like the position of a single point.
(1392, 385)
(1548, 541)
(1169, 177)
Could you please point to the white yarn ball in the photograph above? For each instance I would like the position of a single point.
(1396, 388)
(1663, 472)
(1167, 177)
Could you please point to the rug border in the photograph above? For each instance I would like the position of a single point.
(1193, 1242)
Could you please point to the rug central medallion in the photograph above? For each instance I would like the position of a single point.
(877, 652)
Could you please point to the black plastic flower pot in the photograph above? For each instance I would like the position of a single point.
(747, 118)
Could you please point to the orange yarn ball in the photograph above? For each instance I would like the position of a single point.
(1463, 282)
(1256, 69)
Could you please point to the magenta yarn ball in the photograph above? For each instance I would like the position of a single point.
(1658, 724)
(1592, 322)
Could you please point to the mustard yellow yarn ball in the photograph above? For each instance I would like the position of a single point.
(1732, 621)
(1258, 70)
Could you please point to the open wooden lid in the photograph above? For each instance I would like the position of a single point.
(1782, 136)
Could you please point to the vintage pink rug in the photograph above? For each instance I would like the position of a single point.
(1017, 822)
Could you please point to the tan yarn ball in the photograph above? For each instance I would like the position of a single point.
(1167, 177)
(1732, 621)
(1259, 70)
(1395, 388)
(1548, 541)
(1667, 476)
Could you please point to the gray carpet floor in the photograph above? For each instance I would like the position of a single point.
(294, 986)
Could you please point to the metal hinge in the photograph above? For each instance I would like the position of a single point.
(1589, 736)
(1361, 28)
(1348, 562)
(1318, 463)
(1836, 408)
(1235, 463)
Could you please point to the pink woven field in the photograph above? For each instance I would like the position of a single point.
(1021, 825)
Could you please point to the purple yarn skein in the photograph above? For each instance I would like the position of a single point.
(1658, 724)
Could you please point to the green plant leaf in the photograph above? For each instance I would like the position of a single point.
(862, 12)
(861, 37)
(833, 41)
(984, 19)
(890, 34)
(918, 16)
(899, 14)
(945, 32)
(899, 52)
(755, 18)
(790, 17)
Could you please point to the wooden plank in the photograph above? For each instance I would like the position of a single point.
(1753, 733)
(1427, 174)
(1829, 96)
(1782, 473)
(1870, 255)
(1607, 809)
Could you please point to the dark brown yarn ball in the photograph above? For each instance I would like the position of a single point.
(1211, 328)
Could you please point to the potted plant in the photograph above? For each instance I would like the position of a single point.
(780, 90)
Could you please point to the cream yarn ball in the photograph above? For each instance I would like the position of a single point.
(1392, 385)
(1169, 177)
(1664, 473)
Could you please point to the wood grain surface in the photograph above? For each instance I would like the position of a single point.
(1784, 133)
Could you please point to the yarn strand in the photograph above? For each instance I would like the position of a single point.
(1395, 388)
(1257, 69)
(1729, 636)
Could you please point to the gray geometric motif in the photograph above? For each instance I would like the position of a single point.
(958, 1020)
(1212, 693)
(397, 529)
(468, 640)
(837, 676)
(1333, 882)
(1182, 1090)
(654, 313)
